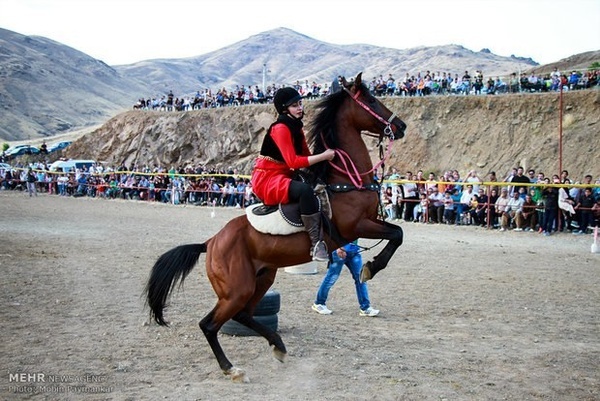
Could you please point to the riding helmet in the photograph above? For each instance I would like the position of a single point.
(284, 97)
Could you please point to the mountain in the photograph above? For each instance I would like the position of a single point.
(47, 88)
(290, 56)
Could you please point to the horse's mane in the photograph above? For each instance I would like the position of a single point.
(323, 134)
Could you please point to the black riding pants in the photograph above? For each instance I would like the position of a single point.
(303, 193)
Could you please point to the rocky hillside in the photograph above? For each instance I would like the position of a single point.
(482, 132)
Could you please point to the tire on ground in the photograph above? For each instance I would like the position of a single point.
(234, 328)
(269, 304)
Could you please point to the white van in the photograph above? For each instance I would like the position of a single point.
(68, 166)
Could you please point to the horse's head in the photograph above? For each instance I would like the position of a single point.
(342, 116)
(368, 112)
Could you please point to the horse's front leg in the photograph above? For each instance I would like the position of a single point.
(379, 230)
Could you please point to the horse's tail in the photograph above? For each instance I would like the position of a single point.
(170, 267)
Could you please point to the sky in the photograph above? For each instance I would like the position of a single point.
(127, 31)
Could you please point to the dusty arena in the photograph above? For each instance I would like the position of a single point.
(466, 314)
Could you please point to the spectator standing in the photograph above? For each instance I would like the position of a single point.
(350, 256)
(466, 83)
(519, 178)
(493, 178)
(550, 195)
(421, 209)
(474, 179)
(448, 207)
(431, 182)
(30, 179)
(420, 182)
(411, 196)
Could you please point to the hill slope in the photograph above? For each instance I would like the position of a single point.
(462, 132)
(47, 88)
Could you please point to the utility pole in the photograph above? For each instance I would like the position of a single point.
(264, 74)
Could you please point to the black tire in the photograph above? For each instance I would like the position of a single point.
(234, 328)
(269, 304)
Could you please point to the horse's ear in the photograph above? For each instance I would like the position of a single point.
(358, 79)
(335, 86)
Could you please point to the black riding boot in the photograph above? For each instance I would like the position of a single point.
(312, 224)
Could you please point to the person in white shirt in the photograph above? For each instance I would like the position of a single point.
(411, 197)
(514, 205)
(474, 179)
(436, 205)
(465, 202)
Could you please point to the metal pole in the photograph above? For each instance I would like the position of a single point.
(264, 88)
(560, 129)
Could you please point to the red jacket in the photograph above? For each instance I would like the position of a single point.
(271, 178)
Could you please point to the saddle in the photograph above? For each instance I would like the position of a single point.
(287, 221)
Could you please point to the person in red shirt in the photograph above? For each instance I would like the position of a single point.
(284, 150)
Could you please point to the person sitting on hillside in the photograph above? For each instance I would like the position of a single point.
(284, 149)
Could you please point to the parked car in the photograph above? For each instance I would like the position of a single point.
(22, 150)
(12, 149)
(58, 146)
(5, 166)
(71, 165)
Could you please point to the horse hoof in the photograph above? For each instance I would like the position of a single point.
(365, 274)
(237, 375)
(279, 355)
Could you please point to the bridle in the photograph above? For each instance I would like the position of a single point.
(349, 168)
(389, 129)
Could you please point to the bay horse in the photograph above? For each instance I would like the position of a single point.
(241, 262)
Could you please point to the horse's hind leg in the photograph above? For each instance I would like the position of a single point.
(264, 280)
(210, 329)
(272, 337)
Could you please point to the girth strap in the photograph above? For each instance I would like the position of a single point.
(349, 187)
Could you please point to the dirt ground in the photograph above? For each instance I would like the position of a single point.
(466, 314)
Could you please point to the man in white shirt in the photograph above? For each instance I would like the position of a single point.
(465, 202)
(436, 205)
(514, 206)
(411, 196)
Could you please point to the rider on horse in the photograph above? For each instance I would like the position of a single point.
(284, 150)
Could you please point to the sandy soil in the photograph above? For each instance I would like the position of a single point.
(467, 314)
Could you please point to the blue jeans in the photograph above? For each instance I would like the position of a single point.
(354, 263)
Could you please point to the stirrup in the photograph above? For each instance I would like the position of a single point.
(319, 252)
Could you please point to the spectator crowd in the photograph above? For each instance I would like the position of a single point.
(190, 185)
(419, 84)
(521, 201)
